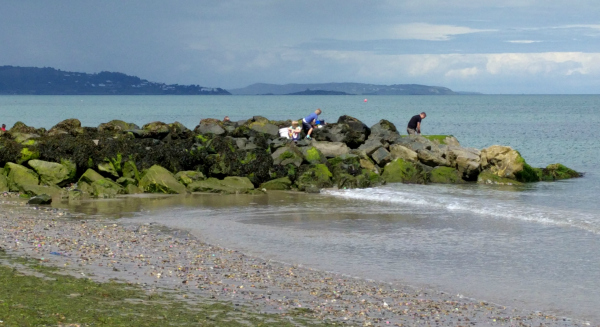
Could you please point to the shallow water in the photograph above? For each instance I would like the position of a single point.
(535, 247)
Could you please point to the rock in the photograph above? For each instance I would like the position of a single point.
(50, 173)
(229, 185)
(404, 171)
(283, 183)
(312, 155)
(178, 131)
(466, 160)
(107, 168)
(130, 170)
(381, 156)
(398, 151)
(24, 138)
(41, 199)
(133, 189)
(355, 125)
(370, 146)
(90, 176)
(157, 129)
(505, 162)
(124, 181)
(159, 180)
(28, 154)
(433, 156)
(3, 183)
(316, 176)
(264, 126)
(188, 177)
(331, 149)
(348, 173)
(106, 188)
(32, 189)
(353, 135)
(68, 126)
(20, 127)
(19, 176)
(210, 126)
(383, 129)
(556, 172)
(286, 155)
(446, 175)
(117, 126)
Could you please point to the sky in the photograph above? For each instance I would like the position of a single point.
(488, 46)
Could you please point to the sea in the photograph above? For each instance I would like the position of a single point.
(533, 247)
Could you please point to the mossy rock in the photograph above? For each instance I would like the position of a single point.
(286, 155)
(229, 185)
(315, 176)
(19, 176)
(312, 155)
(125, 181)
(527, 174)
(68, 126)
(445, 175)
(442, 139)
(133, 189)
(20, 127)
(3, 183)
(188, 177)
(402, 171)
(489, 177)
(33, 190)
(159, 180)
(50, 173)
(25, 138)
(106, 188)
(117, 126)
(363, 180)
(283, 183)
(130, 170)
(90, 176)
(557, 171)
(28, 154)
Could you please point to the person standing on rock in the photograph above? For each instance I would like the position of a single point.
(414, 124)
(3, 128)
(309, 121)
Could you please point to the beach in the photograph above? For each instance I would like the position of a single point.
(160, 258)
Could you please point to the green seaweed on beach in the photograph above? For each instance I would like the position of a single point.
(32, 294)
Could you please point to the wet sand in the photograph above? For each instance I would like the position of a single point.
(156, 257)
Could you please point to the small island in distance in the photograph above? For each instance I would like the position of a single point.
(50, 81)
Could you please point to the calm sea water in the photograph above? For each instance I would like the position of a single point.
(535, 247)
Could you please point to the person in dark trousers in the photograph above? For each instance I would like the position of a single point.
(414, 124)
(309, 121)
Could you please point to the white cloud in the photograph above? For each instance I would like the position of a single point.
(523, 41)
(430, 32)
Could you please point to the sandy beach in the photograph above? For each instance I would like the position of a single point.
(159, 258)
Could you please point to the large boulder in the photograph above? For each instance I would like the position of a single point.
(90, 176)
(383, 129)
(433, 156)
(341, 132)
(263, 125)
(381, 156)
(19, 177)
(229, 185)
(188, 177)
(159, 180)
(286, 155)
(331, 149)
(130, 170)
(117, 126)
(157, 129)
(348, 173)
(20, 127)
(314, 177)
(505, 162)
(398, 151)
(3, 183)
(466, 160)
(402, 171)
(210, 126)
(68, 126)
(283, 183)
(51, 173)
(371, 145)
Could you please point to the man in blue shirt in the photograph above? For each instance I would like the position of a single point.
(414, 125)
(309, 121)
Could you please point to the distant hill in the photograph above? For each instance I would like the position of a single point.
(318, 92)
(50, 81)
(345, 88)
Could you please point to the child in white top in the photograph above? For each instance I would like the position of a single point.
(294, 131)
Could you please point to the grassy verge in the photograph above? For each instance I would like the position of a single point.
(34, 295)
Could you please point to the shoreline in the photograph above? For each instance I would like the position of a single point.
(156, 257)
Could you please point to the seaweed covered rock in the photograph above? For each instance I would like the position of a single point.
(106, 188)
(488, 177)
(286, 155)
(283, 183)
(19, 177)
(446, 175)
(331, 149)
(383, 129)
(159, 180)
(156, 130)
(42, 199)
(347, 172)
(80, 150)
(342, 132)
(10, 151)
(51, 173)
(402, 171)
(557, 171)
(263, 125)
(3, 183)
(312, 155)
(90, 176)
(314, 177)
(229, 185)
(187, 177)
(130, 170)
(20, 127)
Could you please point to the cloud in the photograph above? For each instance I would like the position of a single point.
(523, 41)
(430, 32)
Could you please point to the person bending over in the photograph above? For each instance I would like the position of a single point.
(309, 121)
(414, 124)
